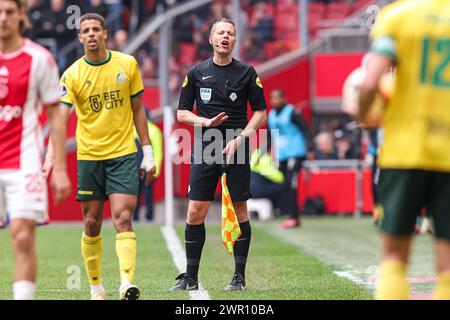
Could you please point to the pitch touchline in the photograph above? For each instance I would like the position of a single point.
(178, 256)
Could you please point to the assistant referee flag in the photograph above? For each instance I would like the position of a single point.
(230, 226)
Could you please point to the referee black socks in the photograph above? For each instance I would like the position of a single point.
(241, 247)
(194, 239)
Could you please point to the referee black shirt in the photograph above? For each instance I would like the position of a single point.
(215, 89)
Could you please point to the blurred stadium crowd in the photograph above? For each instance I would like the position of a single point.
(270, 28)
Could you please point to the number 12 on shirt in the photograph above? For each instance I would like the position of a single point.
(435, 69)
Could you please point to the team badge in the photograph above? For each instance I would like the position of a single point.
(185, 82)
(205, 94)
(233, 96)
(62, 91)
(258, 82)
(89, 83)
(121, 77)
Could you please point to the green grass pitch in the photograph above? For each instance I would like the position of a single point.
(282, 264)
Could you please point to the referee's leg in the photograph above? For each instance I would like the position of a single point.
(195, 236)
(242, 245)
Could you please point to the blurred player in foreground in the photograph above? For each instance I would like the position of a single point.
(105, 87)
(28, 80)
(415, 157)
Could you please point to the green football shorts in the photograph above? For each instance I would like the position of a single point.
(98, 179)
(403, 194)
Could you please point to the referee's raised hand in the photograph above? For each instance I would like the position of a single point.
(216, 121)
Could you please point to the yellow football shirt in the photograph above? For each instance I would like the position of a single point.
(102, 95)
(416, 34)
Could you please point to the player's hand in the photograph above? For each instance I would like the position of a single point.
(61, 186)
(48, 166)
(148, 164)
(150, 175)
(216, 121)
(231, 148)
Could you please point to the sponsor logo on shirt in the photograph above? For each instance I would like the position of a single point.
(9, 113)
(109, 100)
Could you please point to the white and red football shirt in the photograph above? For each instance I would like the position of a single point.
(29, 79)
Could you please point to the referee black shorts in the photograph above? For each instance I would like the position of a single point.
(205, 176)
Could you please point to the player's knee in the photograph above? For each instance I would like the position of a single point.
(123, 221)
(92, 226)
(23, 241)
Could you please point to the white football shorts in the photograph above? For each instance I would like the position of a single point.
(23, 195)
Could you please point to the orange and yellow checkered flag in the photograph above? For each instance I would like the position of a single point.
(230, 226)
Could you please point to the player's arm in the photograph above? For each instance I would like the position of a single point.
(61, 113)
(384, 47)
(186, 106)
(50, 97)
(140, 122)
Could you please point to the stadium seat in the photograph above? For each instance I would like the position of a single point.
(316, 8)
(341, 7)
(188, 52)
(262, 206)
(287, 8)
(285, 23)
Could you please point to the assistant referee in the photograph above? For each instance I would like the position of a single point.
(221, 87)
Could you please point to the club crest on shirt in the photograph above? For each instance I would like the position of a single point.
(205, 94)
(233, 96)
(121, 77)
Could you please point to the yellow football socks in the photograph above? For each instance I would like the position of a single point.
(91, 249)
(442, 291)
(126, 252)
(393, 282)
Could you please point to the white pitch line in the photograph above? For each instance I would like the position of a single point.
(179, 258)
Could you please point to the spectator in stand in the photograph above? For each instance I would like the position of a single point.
(36, 10)
(344, 148)
(99, 7)
(55, 24)
(261, 22)
(251, 49)
(148, 69)
(324, 147)
(121, 39)
(292, 143)
(203, 47)
(115, 8)
(175, 82)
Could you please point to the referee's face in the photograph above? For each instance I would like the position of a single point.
(223, 38)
